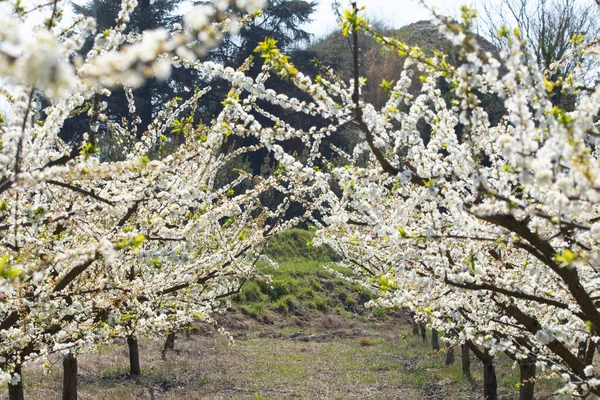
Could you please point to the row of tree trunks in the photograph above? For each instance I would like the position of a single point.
(15, 392)
(527, 368)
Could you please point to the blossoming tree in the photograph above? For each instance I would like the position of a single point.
(487, 231)
(94, 250)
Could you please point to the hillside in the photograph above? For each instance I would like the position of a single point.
(377, 64)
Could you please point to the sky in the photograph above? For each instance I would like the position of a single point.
(395, 13)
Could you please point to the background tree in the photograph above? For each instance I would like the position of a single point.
(552, 28)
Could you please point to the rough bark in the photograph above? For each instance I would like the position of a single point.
(134, 356)
(169, 344)
(589, 354)
(466, 360)
(435, 341)
(581, 350)
(414, 324)
(415, 329)
(490, 384)
(423, 332)
(449, 356)
(527, 369)
(69, 391)
(15, 392)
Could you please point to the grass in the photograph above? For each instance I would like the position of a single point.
(381, 360)
(299, 289)
(296, 245)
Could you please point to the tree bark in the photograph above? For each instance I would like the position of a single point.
(589, 354)
(466, 360)
(449, 355)
(15, 392)
(134, 356)
(169, 344)
(69, 391)
(414, 324)
(490, 384)
(527, 369)
(423, 332)
(581, 349)
(435, 341)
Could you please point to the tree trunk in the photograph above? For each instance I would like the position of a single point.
(423, 332)
(466, 360)
(134, 356)
(589, 354)
(15, 392)
(490, 385)
(527, 368)
(69, 391)
(169, 344)
(435, 341)
(414, 324)
(449, 355)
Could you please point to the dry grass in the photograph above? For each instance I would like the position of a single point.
(356, 360)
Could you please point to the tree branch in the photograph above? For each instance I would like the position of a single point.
(80, 190)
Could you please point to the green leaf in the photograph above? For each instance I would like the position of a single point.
(5, 271)
(386, 85)
(567, 257)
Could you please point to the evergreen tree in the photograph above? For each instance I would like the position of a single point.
(282, 20)
(149, 14)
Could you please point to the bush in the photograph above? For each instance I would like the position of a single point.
(286, 304)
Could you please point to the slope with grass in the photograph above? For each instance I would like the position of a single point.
(301, 289)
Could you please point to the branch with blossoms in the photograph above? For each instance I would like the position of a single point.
(526, 182)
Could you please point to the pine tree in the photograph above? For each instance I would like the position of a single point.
(150, 14)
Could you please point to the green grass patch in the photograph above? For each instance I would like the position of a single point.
(303, 288)
(296, 245)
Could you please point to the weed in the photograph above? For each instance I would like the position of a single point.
(286, 304)
(366, 342)
(253, 310)
(380, 312)
(289, 330)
